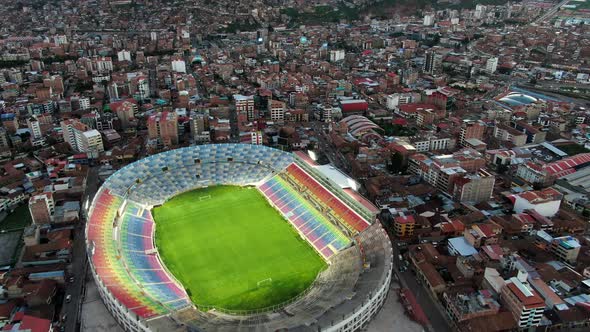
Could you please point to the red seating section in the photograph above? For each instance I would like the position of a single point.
(337, 207)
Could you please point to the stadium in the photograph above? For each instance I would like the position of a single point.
(234, 237)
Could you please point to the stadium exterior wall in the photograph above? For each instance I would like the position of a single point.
(361, 317)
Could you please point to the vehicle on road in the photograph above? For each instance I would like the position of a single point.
(69, 298)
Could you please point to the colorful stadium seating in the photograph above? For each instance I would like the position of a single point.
(326, 238)
(137, 227)
(169, 173)
(106, 259)
(333, 204)
(123, 269)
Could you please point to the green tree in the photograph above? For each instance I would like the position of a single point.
(397, 163)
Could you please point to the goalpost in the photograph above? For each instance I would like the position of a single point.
(202, 198)
(264, 282)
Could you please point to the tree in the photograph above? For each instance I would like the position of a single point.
(397, 163)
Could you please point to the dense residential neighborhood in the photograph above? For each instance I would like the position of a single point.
(467, 125)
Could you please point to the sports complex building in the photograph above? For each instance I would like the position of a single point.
(340, 226)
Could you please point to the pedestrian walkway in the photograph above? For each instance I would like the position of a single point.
(95, 316)
(392, 317)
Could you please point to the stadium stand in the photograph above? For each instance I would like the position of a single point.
(106, 260)
(315, 228)
(136, 239)
(155, 179)
(333, 204)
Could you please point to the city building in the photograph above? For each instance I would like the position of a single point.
(69, 130)
(126, 112)
(394, 100)
(491, 65)
(178, 66)
(277, 110)
(337, 55)
(404, 226)
(432, 61)
(35, 128)
(523, 301)
(505, 133)
(471, 130)
(41, 207)
(545, 174)
(4, 140)
(123, 55)
(246, 104)
(465, 306)
(90, 142)
(566, 248)
(428, 20)
(163, 126)
(546, 202)
(474, 188)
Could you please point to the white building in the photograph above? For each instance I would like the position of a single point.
(90, 142)
(256, 137)
(337, 55)
(143, 88)
(523, 301)
(546, 202)
(428, 20)
(60, 39)
(35, 128)
(179, 66)
(480, 11)
(84, 103)
(124, 55)
(395, 100)
(104, 64)
(491, 65)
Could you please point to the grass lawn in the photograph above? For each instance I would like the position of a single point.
(223, 247)
(19, 219)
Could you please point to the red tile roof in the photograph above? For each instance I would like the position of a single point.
(34, 324)
(529, 302)
(405, 220)
(566, 165)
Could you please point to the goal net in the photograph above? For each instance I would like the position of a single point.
(264, 282)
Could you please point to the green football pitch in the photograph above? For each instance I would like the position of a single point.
(232, 250)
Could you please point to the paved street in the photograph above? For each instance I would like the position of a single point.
(433, 311)
(392, 316)
(328, 149)
(78, 266)
(551, 11)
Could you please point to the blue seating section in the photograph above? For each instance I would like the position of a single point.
(169, 173)
(137, 227)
